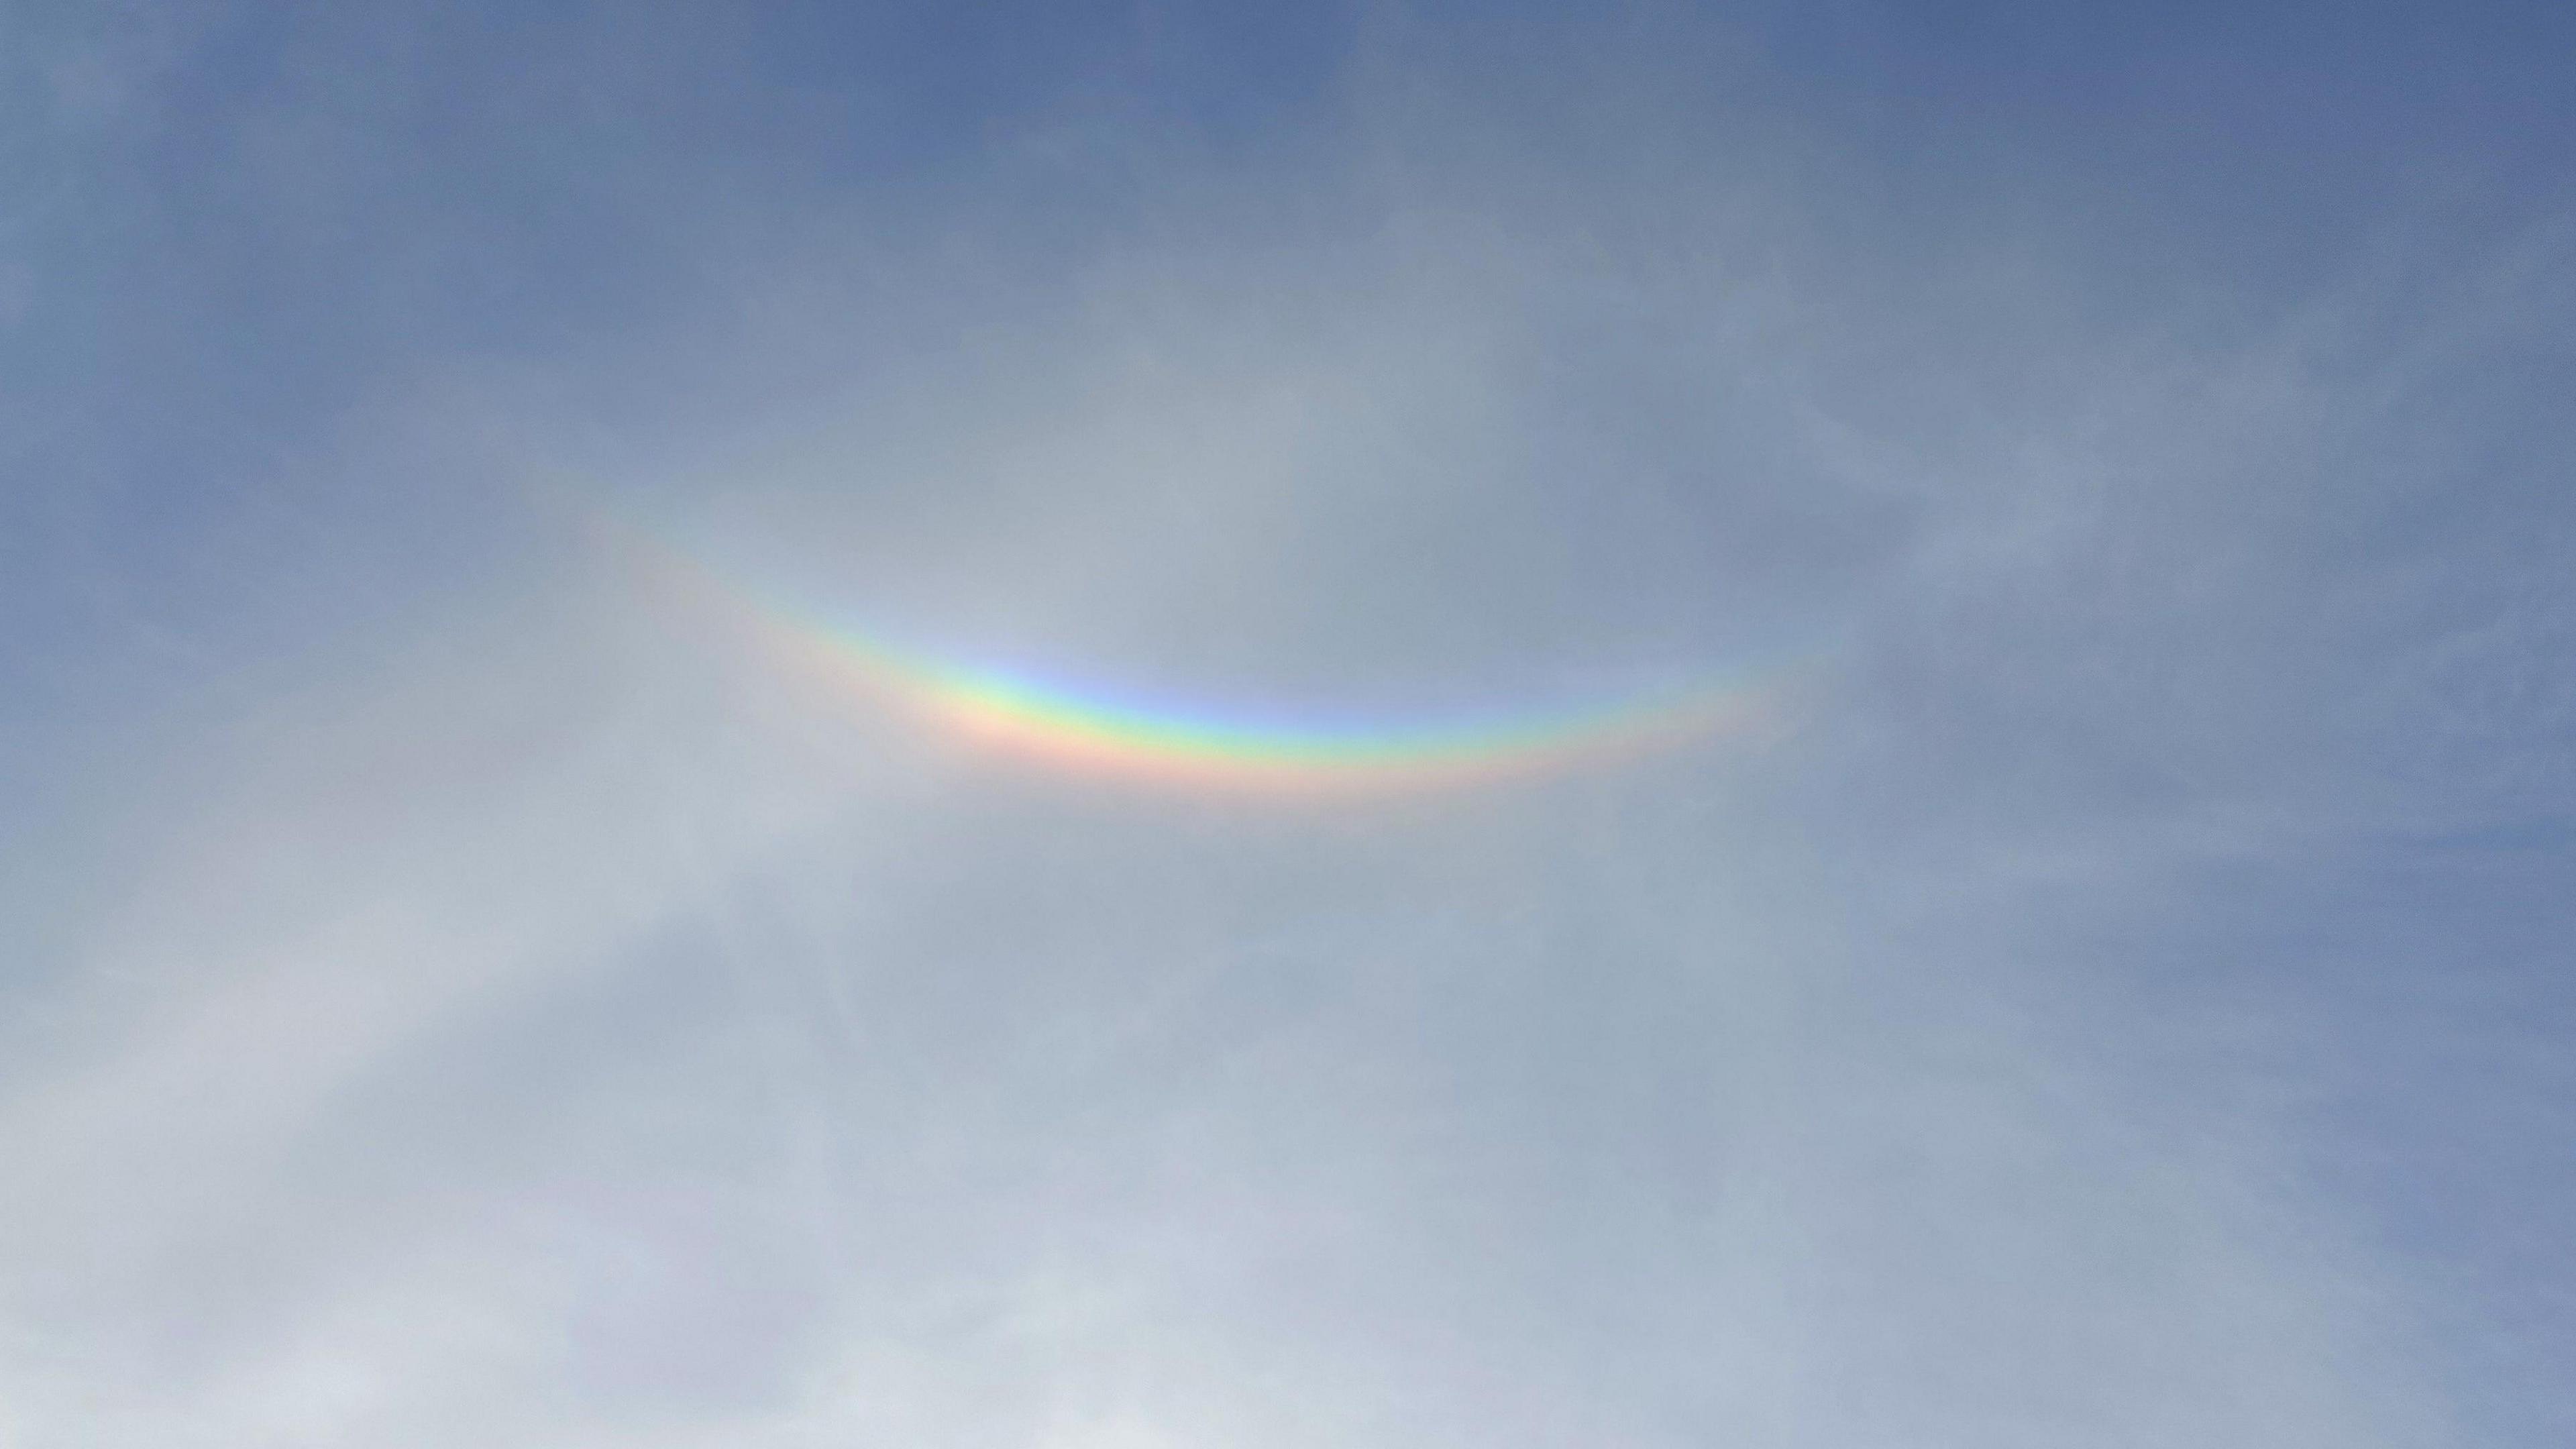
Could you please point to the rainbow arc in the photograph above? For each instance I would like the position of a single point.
(1082, 728)
(1094, 730)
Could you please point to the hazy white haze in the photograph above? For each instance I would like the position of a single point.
(488, 957)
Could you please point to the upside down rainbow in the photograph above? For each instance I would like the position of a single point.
(1094, 730)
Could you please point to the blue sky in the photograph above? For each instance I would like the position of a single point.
(457, 989)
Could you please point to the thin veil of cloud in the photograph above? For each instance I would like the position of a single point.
(460, 989)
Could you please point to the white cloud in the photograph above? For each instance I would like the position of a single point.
(563, 1028)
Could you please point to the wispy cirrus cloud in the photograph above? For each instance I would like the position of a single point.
(525, 1012)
